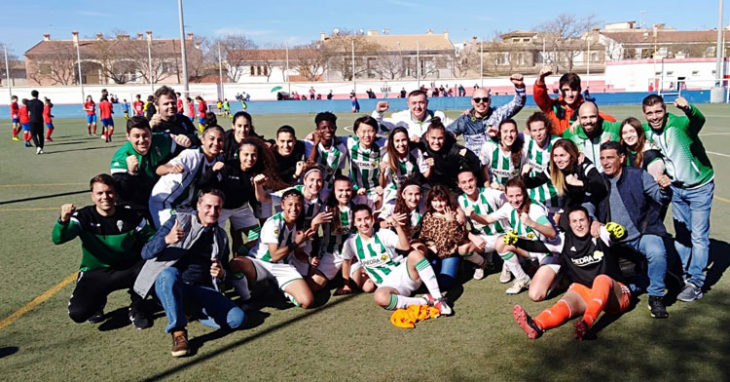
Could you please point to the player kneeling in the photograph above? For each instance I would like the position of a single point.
(380, 253)
(280, 254)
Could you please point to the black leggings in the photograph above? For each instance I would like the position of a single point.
(93, 286)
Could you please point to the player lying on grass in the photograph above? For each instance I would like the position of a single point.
(111, 240)
(593, 268)
(391, 265)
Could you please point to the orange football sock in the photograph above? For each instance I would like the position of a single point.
(553, 316)
(600, 291)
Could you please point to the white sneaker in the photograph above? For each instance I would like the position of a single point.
(478, 273)
(519, 285)
(506, 275)
(38, 150)
(439, 304)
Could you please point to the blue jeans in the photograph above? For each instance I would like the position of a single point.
(691, 214)
(652, 247)
(447, 270)
(172, 291)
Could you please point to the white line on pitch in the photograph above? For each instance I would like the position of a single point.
(722, 155)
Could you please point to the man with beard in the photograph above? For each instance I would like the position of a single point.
(590, 131)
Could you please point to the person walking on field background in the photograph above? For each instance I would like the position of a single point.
(35, 111)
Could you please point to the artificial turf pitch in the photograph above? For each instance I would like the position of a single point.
(345, 338)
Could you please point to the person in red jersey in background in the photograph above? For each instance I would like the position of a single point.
(48, 118)
(14, 111)
(90, 109)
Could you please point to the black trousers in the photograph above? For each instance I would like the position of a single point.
(36, 131)
(92, 288)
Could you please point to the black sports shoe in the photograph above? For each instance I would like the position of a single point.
(139, 318)
(657, 308)
(97, 317)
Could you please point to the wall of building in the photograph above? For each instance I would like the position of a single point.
(637, 75)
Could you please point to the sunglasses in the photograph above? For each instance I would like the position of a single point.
(477, 99)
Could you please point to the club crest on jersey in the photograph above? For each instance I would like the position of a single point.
(383, 257)
(276, 231)
(531, 236)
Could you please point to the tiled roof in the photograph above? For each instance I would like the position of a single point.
(664, 36)
(92, 48)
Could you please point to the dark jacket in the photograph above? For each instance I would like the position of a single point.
(643, 198)
(160, 255)
(448, 162)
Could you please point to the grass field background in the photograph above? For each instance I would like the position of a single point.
(346, 338)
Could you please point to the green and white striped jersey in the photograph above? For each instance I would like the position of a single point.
(331, 159)
(684, 155)
(536, 213)
(539, 160)
(411, 164)
(415, 215)
(311, 207)
(274, 231)
(488, 201)
(332, 242)
(501, 168)
(376, 255)
(591, 147)
(365, 163)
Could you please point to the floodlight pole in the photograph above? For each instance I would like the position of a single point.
(78, 60)
(149, 61)
(354, 84)
(186, 85)
(286, 72)
(418, 65)
(719, 49)
(7, 71)
(481, 62)
(220, 68)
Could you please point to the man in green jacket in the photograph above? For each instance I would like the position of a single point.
(693, 184)
(111, 242)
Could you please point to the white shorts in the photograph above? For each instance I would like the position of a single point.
(401, 281)
(330, 265)
(284, 274)
(241, 217)
(491, 242)
(553, 262)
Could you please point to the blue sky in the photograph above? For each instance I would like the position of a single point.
(22, 23)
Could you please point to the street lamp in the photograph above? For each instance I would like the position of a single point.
(186, 87)
(78, 60)
(7, 71)
(149, 60)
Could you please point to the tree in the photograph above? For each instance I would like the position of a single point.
(310, 62)
(563, 38)
(57, 67)
(115, 63)
(467, 61)
(389, 65)
(235, 62)
(12, 60)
